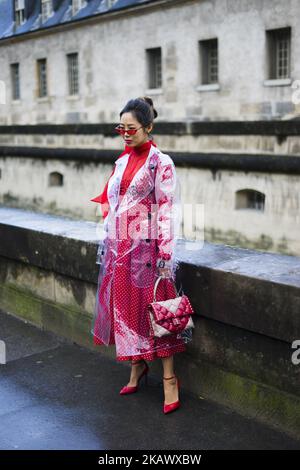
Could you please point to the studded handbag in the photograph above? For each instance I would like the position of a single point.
(172, 316)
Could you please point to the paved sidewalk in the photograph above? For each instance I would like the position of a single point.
(57, 395)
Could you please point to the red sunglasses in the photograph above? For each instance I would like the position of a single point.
(122, 131)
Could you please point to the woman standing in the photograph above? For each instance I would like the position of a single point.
(139, 204)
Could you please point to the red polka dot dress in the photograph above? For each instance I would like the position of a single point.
(131, 291)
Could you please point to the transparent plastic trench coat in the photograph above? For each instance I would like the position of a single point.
(140, 231)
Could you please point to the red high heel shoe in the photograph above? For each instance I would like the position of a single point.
(168, 408)
(126, 390)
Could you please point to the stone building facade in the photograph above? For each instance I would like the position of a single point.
(197, 59)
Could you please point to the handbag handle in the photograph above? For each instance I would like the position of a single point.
(156, 284)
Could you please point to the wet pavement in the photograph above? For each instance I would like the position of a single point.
(58, 395)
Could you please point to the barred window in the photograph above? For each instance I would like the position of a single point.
(42, 77)
(209, 61)
(279, 53)
(73, 73)
(19, 12)
(15, 81)
(154, 67)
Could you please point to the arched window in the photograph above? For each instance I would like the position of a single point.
(56, 179)
(250, 199)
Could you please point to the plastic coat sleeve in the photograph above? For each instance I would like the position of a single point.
(165, 194)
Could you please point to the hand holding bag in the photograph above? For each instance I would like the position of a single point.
(170, 316)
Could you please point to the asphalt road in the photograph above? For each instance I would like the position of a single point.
(58, 395)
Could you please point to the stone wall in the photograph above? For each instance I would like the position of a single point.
(210, 179)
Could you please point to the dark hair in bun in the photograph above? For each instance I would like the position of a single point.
(142, 108)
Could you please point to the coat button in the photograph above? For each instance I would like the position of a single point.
(148, 240)
(149, 265)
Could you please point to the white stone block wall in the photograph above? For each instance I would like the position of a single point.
(25, 184)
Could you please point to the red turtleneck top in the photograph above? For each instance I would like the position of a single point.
(137, 157)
